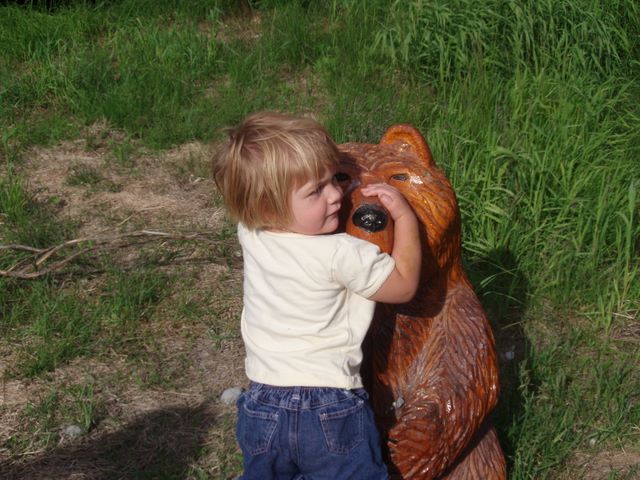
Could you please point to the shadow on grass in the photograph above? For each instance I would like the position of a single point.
(503, 290)
(161, 444)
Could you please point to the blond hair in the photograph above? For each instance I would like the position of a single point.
(264, 159)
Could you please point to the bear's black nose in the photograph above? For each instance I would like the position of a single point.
(371, 218)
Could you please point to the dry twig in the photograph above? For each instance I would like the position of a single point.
(36, 265)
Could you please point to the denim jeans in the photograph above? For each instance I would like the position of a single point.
(308, 433)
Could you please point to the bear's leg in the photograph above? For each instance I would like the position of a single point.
(483, 459)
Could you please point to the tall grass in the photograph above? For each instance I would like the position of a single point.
(538, 100)
(446, 39)
(530, 107)
(549, 182)
(536, 122)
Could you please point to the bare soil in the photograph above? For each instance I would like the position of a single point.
(156, 414)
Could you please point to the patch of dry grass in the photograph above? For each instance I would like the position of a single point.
(603, 464)
(153, 407)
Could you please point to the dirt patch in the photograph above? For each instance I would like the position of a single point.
(626, 328)
(155, 406)
(170, 189)
(605, 465)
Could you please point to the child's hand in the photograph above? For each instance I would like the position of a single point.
(402, 284)
(390, 197)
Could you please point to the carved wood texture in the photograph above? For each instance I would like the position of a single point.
(430, 365)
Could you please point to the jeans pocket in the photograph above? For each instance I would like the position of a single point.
(343, 425)
(256, 426)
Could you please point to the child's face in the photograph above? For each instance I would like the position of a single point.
(315, 206)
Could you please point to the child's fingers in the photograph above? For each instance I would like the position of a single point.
(390, 198)
(377, 189)
(385, 198)
(386, 193)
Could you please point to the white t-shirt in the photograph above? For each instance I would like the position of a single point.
(306, 307)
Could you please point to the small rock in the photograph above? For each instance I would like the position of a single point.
(230, 395)
(510, 354)
(71, 431)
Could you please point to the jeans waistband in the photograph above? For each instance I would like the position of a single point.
(301, 398)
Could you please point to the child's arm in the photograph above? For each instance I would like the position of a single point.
(402, 284)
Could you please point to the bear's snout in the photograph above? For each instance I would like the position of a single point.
(370, 217)
(367, 219)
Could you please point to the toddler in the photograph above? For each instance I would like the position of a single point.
(309, 298)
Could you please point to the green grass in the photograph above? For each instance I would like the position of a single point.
(573, 395)
(25, 219)
(74, 404)
(529, 107)
(52, 326)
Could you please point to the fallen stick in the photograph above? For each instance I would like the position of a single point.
(33, 266)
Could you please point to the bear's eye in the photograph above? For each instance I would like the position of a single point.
(342, 177)
(402, 177)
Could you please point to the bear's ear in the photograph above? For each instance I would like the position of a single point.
(406, 137)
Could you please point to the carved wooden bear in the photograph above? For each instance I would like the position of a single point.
(430, 365)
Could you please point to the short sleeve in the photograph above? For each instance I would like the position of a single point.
(360, 266)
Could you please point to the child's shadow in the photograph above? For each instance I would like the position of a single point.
(159, 444)
(503, 290)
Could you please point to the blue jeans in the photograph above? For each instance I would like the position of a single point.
(308, 433)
